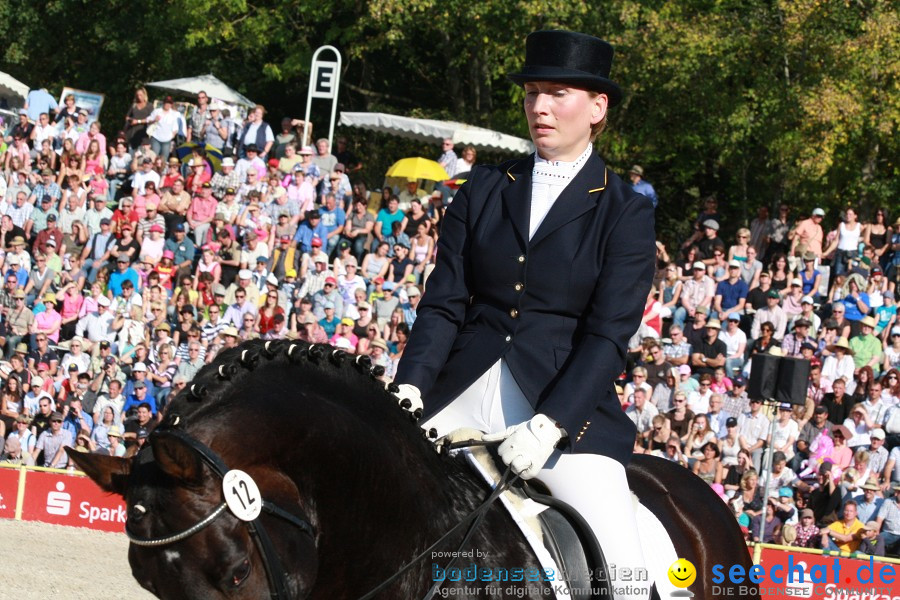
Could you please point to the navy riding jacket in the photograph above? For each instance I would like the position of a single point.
(559, 308)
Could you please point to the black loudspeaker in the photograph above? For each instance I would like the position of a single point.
(793, 380)
(763, 377)
(781, 378)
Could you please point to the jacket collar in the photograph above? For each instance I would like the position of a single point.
(517, 196)
(581, 195)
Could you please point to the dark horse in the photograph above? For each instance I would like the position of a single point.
(359, 489)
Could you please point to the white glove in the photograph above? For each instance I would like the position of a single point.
(528, 445)
(411, 393)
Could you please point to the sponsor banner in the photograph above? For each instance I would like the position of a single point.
(9, 486)
(71, 500)
(826, 577)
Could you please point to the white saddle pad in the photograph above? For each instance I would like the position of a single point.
(659, 551)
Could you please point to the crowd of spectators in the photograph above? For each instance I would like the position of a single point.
(801, 288)
(129, 265)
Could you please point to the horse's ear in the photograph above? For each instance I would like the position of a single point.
(176, 458)
(109, 472)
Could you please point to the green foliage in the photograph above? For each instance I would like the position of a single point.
(753, 101)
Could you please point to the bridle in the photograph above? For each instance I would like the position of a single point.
(278, 583)
(275, 573)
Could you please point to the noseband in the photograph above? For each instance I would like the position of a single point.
(278, 583)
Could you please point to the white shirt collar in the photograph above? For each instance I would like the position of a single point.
(562, 171)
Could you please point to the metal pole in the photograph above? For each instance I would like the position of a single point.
(334, 101)
(767, 465)
(312, 74)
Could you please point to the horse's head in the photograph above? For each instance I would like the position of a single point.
(187, 542)
(332, 454)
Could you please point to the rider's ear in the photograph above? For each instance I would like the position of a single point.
(109, 472)
(176, 458)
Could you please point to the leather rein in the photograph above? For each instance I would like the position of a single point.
(275, 573)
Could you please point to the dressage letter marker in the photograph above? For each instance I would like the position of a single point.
(242, 495)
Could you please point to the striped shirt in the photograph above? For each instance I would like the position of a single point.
(211, 330)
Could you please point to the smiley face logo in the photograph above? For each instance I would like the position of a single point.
(682, 573)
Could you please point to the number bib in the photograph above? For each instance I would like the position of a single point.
(242, 495)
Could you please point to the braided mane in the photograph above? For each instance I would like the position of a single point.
(346, 380)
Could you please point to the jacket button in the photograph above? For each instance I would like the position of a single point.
(513, 313)
(522, 258)
(519, 287)
(508, 339)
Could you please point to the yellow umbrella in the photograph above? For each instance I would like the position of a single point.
(417, 168)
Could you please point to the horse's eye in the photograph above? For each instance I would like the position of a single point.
(240, 573)
(137, 512)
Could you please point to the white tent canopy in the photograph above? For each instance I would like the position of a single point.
(429, 130)
(210, 84)
(12, 90)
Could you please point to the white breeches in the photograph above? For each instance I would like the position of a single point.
(592, 484)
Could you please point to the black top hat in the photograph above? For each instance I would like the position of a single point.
(577, 59)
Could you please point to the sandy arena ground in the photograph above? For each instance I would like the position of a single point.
(65, 562)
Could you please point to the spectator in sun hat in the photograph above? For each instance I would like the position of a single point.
(709, 241)
(639, 185)
(52, 443)
(97, 326)
(866, 347)
(124, 272)
(330, 321)
(251, 163)
(731, 293)
(44, 224)
(253, 248)
(310, 228)
(807, 235)
(273, 286)
(806, 531)
(711, 351)
(19, 260)
(807, 311)
(886, 313)
(792, 343)
(244, 297)
(409, 307)
(259, 274)
(226, 177)
(152, 218)
(771, 313)
(344, 332)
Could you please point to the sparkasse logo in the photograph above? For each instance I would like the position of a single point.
(59, 502)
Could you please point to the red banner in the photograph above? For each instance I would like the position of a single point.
(827, 577)
(9, 485)
(71, 500)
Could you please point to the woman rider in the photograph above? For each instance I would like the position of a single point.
(543, 266)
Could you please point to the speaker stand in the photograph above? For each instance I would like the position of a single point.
(766, 464)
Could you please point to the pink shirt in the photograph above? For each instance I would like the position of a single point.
(810, 233)
(87, 307)
(46, 320)
(140, 202)
(71, 305)
(84, 140)
(203, 209)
